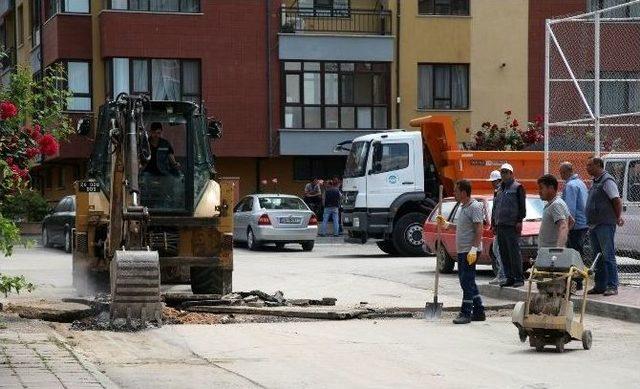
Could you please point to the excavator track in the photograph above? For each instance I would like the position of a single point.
(135, 286)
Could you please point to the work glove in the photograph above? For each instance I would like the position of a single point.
(442, 221)
(472, 255)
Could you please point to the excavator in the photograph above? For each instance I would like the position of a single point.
(150, 210)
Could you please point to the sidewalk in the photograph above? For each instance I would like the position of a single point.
(624, 306)
(33, 356)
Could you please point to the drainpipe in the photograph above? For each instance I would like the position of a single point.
(269, 83)
(397, 63)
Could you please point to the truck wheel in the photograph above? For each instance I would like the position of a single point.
(387, 247)
(444, 261)
(210, 280)
(407, 234)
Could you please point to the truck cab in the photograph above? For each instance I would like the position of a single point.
(384, 192)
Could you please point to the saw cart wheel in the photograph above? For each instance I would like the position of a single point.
(522, 334)
(587, 339)
(560, 344)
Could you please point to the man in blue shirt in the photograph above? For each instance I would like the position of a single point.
(575, 195)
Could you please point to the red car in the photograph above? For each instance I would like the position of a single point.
(528, 241)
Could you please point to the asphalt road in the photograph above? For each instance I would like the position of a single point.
(351, 354)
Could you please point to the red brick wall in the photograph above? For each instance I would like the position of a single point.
(67, 36)
(539, 11)
(230, 41)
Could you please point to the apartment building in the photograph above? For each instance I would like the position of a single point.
(290, 79)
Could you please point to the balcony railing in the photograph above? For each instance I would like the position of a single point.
(353, 21)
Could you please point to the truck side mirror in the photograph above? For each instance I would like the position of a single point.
(83, 127)
(214, 129)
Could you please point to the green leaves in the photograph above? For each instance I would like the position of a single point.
(15, 284)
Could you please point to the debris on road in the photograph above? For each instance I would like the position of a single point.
(254, 298)
(56, 311)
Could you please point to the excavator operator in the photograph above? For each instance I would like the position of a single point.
(163, 161)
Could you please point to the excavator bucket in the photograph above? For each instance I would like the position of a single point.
(135, 286)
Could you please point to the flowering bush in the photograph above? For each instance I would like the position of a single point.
(508, 136)
(32, 121)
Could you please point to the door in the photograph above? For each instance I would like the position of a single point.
(391, 173)
(241, 218)
(627, 235)
(618, 169)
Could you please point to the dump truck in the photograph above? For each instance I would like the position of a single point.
(150, 210)
(391, 180)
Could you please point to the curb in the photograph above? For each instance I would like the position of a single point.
(598, 308)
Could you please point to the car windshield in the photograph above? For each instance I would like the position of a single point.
(282, 203)
(357, 160)
(535, 207)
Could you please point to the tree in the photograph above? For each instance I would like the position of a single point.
(32, 122)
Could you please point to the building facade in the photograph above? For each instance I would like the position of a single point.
(289, 79)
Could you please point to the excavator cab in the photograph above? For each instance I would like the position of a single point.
(152, 195)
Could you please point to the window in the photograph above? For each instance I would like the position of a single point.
(443, 86)
(36, 22)
(162, 79)
(54, 7)
(79, 84)
(307, 168)
(623, 12)
(188, 6)
(336, 95)
(390, 156)
(246, 205)
(20, 25)
(324, 7)
(282, 203)
(633, 182)
(443, 7)
(617, 170)
(447, 208)
(617, 94)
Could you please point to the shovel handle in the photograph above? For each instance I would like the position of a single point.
(439, 239)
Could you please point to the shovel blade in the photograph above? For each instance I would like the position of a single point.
(432, 311)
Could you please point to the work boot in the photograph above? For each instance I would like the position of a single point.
(462, 319)
(595, 291)
(517, 284)
(495, 281)
(611, 291)
(506, 283)
(479, 316)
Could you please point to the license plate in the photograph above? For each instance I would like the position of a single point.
(356, 222)
(290, 220)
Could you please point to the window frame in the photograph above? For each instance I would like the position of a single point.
(65, 64)
(434, 3)
(128, 9)
(56, 7)
(386, 73)
(433, 86)
(405, 147)
(20, 25)
(35, 21)
(632, 195)
(109, 79)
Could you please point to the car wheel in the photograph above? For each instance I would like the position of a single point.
(67, 241)
(308, 246)
(387, 247)
(252, 244)
(444, 260)
(407, 234)
(279, 246)
(45, 237)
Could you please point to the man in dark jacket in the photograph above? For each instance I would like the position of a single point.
(509, 209)
(604, 212)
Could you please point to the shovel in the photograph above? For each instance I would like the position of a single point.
(433, 311)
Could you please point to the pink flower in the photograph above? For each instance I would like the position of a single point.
(7, 110)
(49, 145)
(9, 160)
(36, 133)
(32, 152)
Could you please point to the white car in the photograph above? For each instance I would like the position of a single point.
(274, 218)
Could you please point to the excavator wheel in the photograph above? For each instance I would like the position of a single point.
(135, 286)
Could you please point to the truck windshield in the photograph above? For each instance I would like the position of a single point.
(357, 160)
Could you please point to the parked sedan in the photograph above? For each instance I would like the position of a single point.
(57, 228)
(450, 207)
(274, 218)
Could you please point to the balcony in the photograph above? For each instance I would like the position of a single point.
(347, 21)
